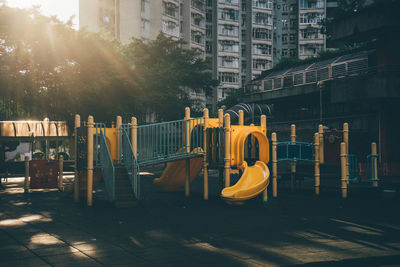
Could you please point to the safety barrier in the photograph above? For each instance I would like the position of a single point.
(105, 161)
(295, 151)
(129, 161)
(169, 140)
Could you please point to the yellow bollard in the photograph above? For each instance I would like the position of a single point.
(293, 164)
(187, 143)
(346, 141)
(241, 118)
(221, 117)
(316, 161)
(76, 180)
(263, 123)
(321, 143)
(27, 181)
(205, 164)
(134, 126)
(61, 173)
(90, 162)
(119, 137)
(227, 159)
(374, 165)
(274, 166)
(343, 161)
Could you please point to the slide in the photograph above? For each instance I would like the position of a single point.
(173, 177)
(254, 181)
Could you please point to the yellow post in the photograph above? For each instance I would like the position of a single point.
(76, 180)
(26, 182)
(274, 166)
(374, 164)
(134, 126)
(321, 143)
(187, 161)
(343, 161)
(241, 118)
(346, 141)
(205, 164)
(293, 164)
(263, 123)
(90, 162)
(227, 158)
(61, 172)
(119, 137)
(316, 162)
(221, 117)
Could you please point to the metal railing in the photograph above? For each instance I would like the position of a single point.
(295, 151)
(104, 161)
(353, 167)
(129, 161)
(371, 167)
(169, 140)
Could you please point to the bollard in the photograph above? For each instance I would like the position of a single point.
(293, 164)
(263, 123)
(76, 180)
(205, 164)
(274, 167)
(221, 117)
(317, 162)
(374, 165)
(227, 158)
(187, 143)
(119, 137)
(241, 118)
(26, 181)
(346, 141)
(321, 143)
(61, 173)
(343, 161)
(90, 162)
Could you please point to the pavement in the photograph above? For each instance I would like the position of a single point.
(46, 228)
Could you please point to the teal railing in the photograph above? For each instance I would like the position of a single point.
(353, 167)
(104, 161)
(129, 161)
(291, 151)
(167, 140)
(371, 167)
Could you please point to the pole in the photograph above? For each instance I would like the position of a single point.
(205, 164)
(119, 143)
(134, 136)
(76, 180)
(316, 161)
(90, 162)
(227, 158)
(26, 182)
(241, 118)
(274, 167)
(293, 164)
(343, 160)
(321, 143)
(374, 165)
(187, 161)
(263, 123)
(61, 172)
(221, 117)
(346, 141)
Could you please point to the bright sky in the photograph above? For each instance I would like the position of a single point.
(63, 9)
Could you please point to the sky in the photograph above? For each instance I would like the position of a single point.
(63, 9)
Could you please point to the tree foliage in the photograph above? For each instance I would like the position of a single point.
(47, 69)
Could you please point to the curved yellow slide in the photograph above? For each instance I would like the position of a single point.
(173, 177)
(253, 181)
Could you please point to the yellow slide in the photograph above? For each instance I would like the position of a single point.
(254, 181)
(173, 177)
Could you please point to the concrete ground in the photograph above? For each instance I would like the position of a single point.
(46, 228)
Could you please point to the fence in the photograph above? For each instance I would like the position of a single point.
(104, 161)
(299, 151)
(130, 162)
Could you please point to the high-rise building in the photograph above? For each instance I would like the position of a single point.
(241, 38)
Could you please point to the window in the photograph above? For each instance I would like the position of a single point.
(311, 18)
(262, 34)
(228, 62)
(170, 27)
(170, 9)
(262, 4)
(197, 19)
(312, 3)
(310, 34)
(228, 77)
(228, 14)
(261, 49)
(284, 38)
(284, 52)
(228, 46)
(229, 2)
(209, 47)
(261, 64)
(199, 4)
(262, 18)
(197, 37)
(228, 30)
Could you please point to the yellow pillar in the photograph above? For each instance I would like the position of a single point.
(221, 117)
(76, 180)
(134, 136)
(61, 172)
(343, 161)
(205, 164)
(346, 141)
(227, 158)
(241, 118)
(263, 123)
(274, 166)
(119, 137)
(90, 162)
(187, 161)
(316, 162)
(26, 182)
(374, 164)
(321, 143)
(293, 164)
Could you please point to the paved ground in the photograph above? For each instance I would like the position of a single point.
(47, 228)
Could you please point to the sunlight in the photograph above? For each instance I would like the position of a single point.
(44, 239)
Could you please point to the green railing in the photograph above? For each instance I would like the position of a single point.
(129, 161)
(168, 140)
(295, 151)
(353, 168)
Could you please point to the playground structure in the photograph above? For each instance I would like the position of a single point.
(182, 144)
